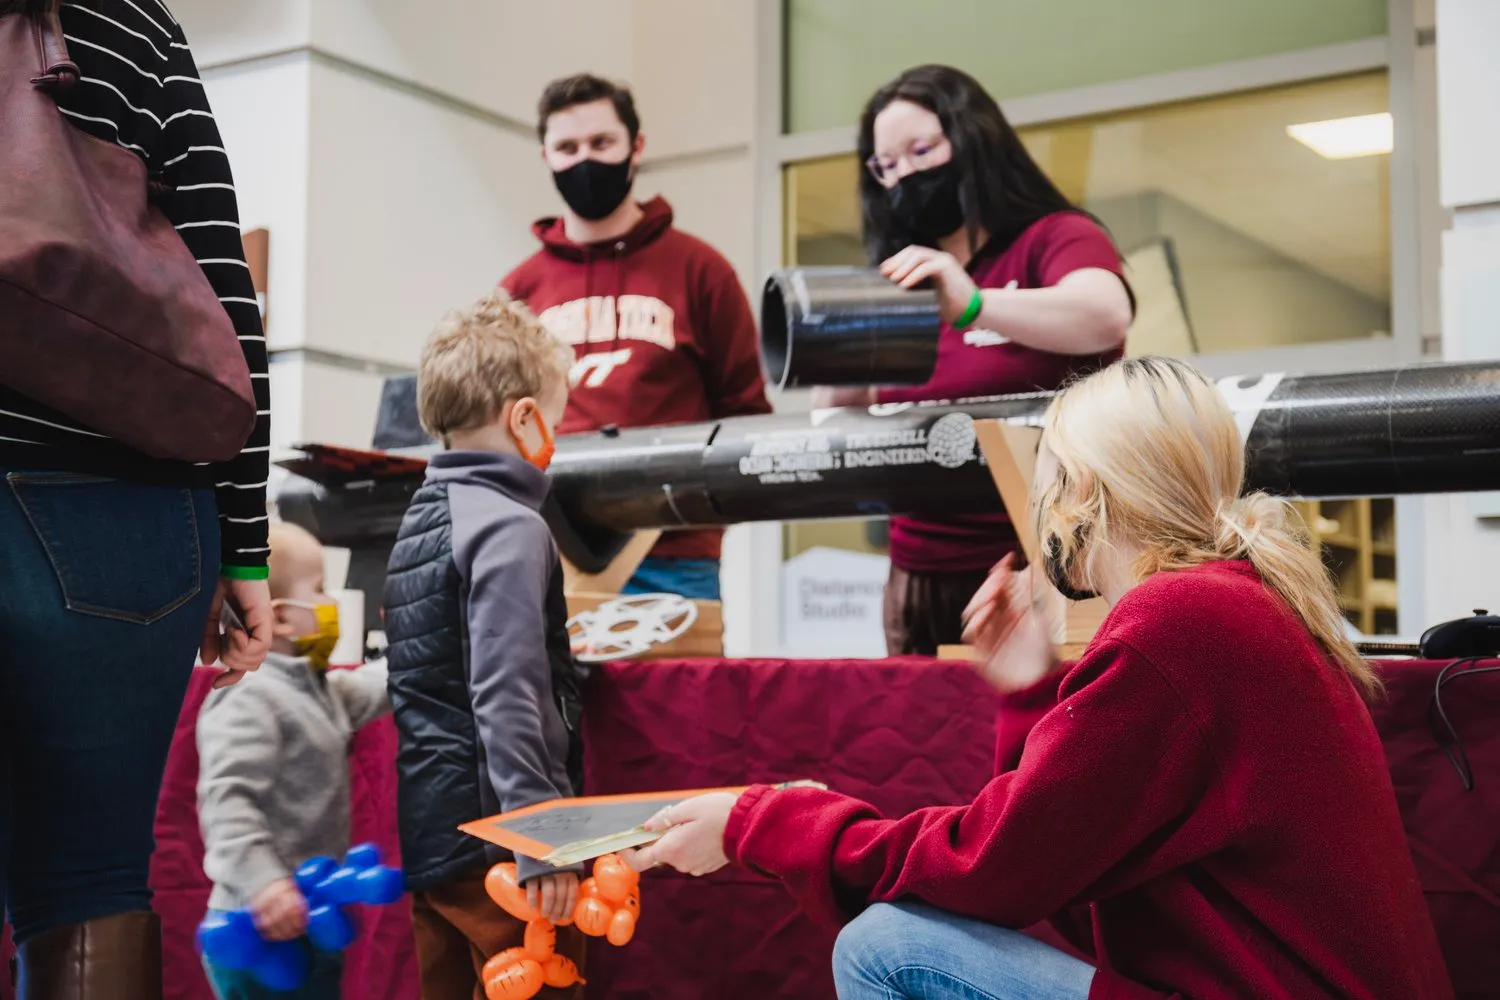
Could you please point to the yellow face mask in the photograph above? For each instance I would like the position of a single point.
(318, 646)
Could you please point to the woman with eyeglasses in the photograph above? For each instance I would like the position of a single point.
(1031, 289)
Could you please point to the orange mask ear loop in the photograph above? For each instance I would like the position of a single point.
(542, 457)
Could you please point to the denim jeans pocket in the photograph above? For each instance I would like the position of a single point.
(120, 550)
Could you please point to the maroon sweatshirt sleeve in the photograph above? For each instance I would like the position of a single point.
(1020, 711)
(1117, 762)
(732, 376)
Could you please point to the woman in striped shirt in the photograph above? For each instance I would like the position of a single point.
(113, 566)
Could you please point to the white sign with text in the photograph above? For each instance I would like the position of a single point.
(831, 603)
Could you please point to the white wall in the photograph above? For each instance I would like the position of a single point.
(336, 405)
(496, 54)
(222, 32)
(414, 209)
(263, 115)
(1460, 534)
(710, 198)
(693, 71)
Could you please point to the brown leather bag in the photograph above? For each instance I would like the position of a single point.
(104, 314)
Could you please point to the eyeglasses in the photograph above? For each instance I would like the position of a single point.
(919, 154)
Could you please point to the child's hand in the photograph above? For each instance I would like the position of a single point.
(555, 897)
(279, 911)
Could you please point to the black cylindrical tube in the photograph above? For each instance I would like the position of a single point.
(1423, 429)
(846, 326)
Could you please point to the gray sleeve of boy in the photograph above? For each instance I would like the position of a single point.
(362, 691)
(505, 557)
(238, 750)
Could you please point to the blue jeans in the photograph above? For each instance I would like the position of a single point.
(324, 981)
(896, 951)
(693, 578)
(104, 589)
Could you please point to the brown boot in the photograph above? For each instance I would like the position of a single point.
(113, 958)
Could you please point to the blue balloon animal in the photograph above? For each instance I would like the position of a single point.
(230, 941)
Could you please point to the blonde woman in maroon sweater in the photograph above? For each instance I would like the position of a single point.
(1207, 810)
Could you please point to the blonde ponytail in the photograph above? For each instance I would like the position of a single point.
(1157, 463)
(1269, 532)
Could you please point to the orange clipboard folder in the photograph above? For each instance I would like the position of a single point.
(566, 832)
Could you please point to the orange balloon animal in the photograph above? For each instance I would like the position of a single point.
(541, 940)
(505, 889)
(560, 972)
(609, 904)
(614, 878)
(512, 975)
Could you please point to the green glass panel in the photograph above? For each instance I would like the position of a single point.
(840, 51)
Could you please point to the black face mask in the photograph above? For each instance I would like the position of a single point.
(593, 189)
(1060, 573)
(926, 203)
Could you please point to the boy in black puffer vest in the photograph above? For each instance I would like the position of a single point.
(482, 680)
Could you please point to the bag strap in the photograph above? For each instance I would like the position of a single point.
(58, 71)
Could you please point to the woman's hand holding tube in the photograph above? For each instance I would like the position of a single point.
(916, 264)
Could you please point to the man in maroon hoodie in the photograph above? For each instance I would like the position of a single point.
(658, 321)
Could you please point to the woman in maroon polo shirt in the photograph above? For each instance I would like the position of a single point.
(1205, 812)
(1031, 291)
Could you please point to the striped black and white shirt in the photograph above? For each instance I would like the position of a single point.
(139, 88)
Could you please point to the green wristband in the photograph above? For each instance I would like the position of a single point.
(976, 306)
(244, 572)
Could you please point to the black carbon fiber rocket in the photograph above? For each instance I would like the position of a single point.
(1420, 429)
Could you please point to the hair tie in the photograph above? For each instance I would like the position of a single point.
(1233, 538)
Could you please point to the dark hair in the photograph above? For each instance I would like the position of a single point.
(585, 88)
(1001, 188)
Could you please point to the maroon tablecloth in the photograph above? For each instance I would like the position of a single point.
(1454, 834)
(900, 733)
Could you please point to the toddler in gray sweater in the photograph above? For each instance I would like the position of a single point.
(273, 780)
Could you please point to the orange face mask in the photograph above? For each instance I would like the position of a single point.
(542, 457)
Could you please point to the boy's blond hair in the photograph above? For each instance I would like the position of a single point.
(479, 359)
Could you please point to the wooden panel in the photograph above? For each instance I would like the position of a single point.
(257, 244)
(1010, 453)
(612, 579)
